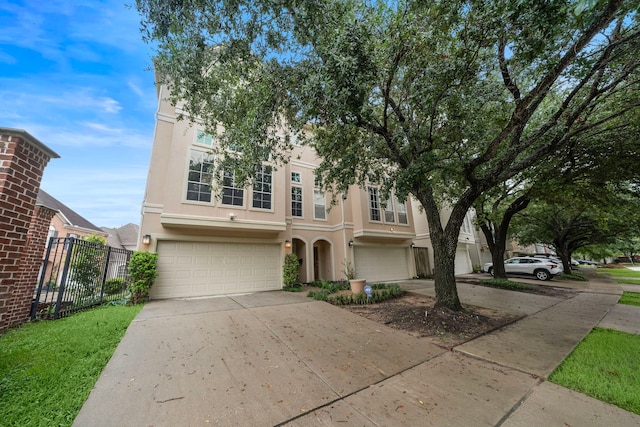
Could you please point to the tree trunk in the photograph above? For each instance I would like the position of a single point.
(445, 243)
(497, 235)
(565, 256)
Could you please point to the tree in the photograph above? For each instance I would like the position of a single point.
(442, 99)
(87, 263)
(577, 218)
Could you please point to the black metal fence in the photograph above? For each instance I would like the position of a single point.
(78, 274)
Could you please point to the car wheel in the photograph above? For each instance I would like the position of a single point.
(490, 271)
(542, 275)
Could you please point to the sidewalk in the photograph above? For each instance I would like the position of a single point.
(281, 359)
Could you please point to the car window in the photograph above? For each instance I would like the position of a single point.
(511, 261)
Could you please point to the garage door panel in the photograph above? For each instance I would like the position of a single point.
(188, 269)
(382, 263)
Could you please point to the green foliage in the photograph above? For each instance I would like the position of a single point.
(48, 369)
(380, 292)
(142, 270)
(290, 269)
(506, 284)
(630, 298)
(575, 275)
(114, 286)
(444, 100)
(321, 295)
(604, 366)
(88, 262)
(331, 286)
(293, 288)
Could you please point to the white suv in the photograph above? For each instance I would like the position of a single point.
(541, 268)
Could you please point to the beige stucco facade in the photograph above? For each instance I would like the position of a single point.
(210, 245)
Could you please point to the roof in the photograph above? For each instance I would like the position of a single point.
(71, 217)
(124, 236)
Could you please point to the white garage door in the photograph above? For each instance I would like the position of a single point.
(381, 263)
(192, 269)
(463, 262)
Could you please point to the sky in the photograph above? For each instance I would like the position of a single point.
(77, 76)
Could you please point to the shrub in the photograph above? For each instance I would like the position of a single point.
(114, 286)
(575, 275)
(142, 269)
(381, 292)
(290, 270)
(506, 284)
(321, 295)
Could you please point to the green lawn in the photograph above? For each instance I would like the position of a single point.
(605, 366)
(48, 368)
(619, 272)
(630, 298)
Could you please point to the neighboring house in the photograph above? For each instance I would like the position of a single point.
(125, 237)
(66, 222)
(214, 241)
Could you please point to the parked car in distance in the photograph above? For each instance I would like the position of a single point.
(540, 268)
(574, 263)
(588, 262)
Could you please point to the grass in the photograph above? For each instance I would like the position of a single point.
(48, 368)
(604, 366)
(506, 284)
(630, 298)
(619, 272)
(628, 281)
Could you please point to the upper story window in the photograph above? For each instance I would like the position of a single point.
(262, 188)
(466, 225)
(204, 138)
(402, 212)
(232, 194)
(319, 204)
(200, 176)
(374, 204)
(296, 178)
(296, 201)
(389, 212)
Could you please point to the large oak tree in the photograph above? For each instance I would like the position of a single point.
(440, 99)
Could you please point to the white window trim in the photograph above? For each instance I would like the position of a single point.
(244, 194)
(271, 209)
(185, 182)
(301, 201)
(369, 205)
(324, 205)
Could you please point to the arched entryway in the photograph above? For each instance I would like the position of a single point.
(322, 260)
(299, 247)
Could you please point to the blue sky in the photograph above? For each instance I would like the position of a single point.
(75, 74)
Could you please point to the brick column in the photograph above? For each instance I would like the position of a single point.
(22, 162)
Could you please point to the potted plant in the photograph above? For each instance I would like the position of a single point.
(357, 285)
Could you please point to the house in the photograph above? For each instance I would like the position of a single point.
(124, 237)
(66, 222)
(229, 239)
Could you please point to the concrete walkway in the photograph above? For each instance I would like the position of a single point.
(280, 358)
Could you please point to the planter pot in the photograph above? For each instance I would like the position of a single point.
(357, 285)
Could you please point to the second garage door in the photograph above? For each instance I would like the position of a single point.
(194, 269)
(381, 263)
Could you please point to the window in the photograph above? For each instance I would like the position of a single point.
(199, 177)
(262, 188)
(319, 204)
(204, 138)
(374, 204)
(295, 177)
(296, 201)
(231, 193)
(402, 212)
(389, 213)
(466, 225)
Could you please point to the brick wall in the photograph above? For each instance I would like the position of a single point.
(22, 164)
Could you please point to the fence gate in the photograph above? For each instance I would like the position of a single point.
(421, 255)
(77, 274)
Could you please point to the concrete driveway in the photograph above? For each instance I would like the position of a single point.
(279, 358)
